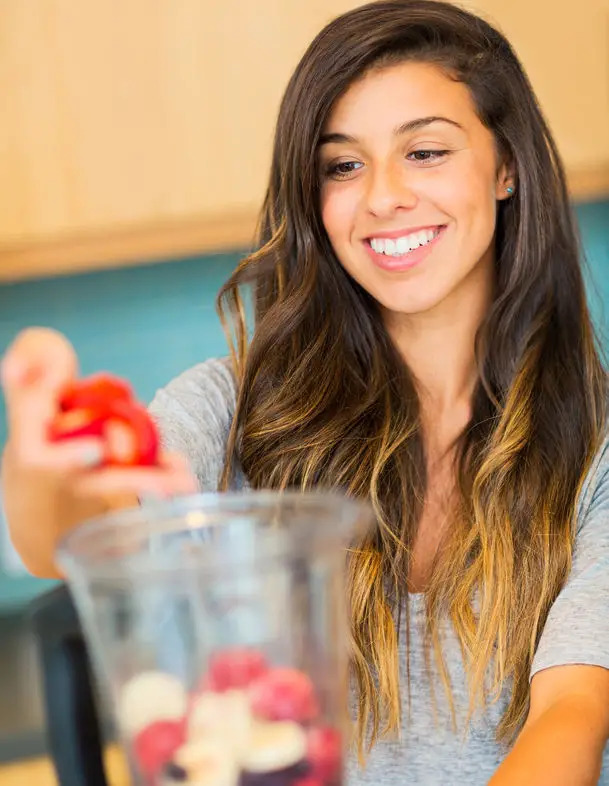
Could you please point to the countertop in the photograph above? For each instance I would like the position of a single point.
(40, 771)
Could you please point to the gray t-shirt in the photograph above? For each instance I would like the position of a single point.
(194, 413)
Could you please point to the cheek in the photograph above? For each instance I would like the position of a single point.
(338, 210)
(473, 196)
(471, 205)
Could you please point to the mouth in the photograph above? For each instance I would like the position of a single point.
(403, 251)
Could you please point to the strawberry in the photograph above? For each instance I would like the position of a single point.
(130, 435)
(76, 423)
(94, 391)
(235, 668)
(155, 745)
(284, 694)
(325, 752)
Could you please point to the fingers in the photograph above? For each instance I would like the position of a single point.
(59, 459)
(173, 477)
(38, 355)
(33, 369)
(36, 366)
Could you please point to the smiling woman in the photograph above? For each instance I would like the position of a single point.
(423, 340)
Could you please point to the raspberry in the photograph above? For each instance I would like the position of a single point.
(155, 745)
(284, 694)
(235, 668)
(325, 751)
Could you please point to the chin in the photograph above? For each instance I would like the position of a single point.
(408, 304)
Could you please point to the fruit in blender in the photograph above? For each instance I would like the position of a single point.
(151, 696)
(156, 744)
(284, 694)
(324, 752)
(235, 668)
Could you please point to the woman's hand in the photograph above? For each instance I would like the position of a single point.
(50, 487)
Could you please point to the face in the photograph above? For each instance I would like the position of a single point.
(410, 183)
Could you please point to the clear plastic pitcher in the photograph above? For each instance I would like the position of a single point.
(216, 625)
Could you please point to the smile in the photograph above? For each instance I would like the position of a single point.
(403, 252)
(399, 246)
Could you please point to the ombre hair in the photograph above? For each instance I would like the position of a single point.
(326, 401)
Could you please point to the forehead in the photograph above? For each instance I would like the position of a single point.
(399, 93)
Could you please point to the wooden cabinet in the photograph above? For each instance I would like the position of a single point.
(565, 50)
(140, 129)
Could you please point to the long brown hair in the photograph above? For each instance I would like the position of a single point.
(325, 400)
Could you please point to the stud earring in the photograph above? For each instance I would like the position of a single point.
(510, 190)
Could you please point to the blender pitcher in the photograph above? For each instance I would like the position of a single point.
(217, 629)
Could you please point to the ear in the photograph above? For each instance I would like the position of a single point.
(505, 180)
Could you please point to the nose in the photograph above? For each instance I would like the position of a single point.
(388, 190)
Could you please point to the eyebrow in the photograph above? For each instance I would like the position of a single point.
(405, 128)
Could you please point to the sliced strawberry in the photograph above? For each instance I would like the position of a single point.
(235, 668)
(76, 423)
(309, 780)
(131, 436)
(155, 745)
(103, 405)
(94, 391)
(284, 694)
(325, 752)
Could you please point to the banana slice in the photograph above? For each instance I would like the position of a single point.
(150, 697)
(274, 746)
(208, 763)
(194, 755)
(224, 715)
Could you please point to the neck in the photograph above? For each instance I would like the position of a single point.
(438, 347)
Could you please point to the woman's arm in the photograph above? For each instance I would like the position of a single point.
(562, 741)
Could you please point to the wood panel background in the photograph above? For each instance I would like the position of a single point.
(138, 129)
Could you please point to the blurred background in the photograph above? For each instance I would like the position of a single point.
(134, 146)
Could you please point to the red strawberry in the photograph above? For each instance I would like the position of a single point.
(234, 668)
(129, 433)
(325, 752)
(155, 745)
(94, 391)
(131, 436)
(76, 423)
(284, 694)
(103, 405)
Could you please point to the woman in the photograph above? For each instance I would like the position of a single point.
(422, 340)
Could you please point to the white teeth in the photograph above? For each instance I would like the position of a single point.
(402, 245)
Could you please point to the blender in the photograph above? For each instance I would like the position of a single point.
(217, 629)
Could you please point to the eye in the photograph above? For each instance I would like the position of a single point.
(342, 169)
(427, 156)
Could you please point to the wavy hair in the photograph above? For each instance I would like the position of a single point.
(326, 401)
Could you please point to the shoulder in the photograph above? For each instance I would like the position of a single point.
(213, 377)
(577, 627)
(194, 413)
(594, 496)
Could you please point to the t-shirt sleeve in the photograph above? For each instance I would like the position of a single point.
(577, 627)
(194, 414)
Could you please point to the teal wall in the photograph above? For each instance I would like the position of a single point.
(594, 226)
(149, 323)
(145, 323)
